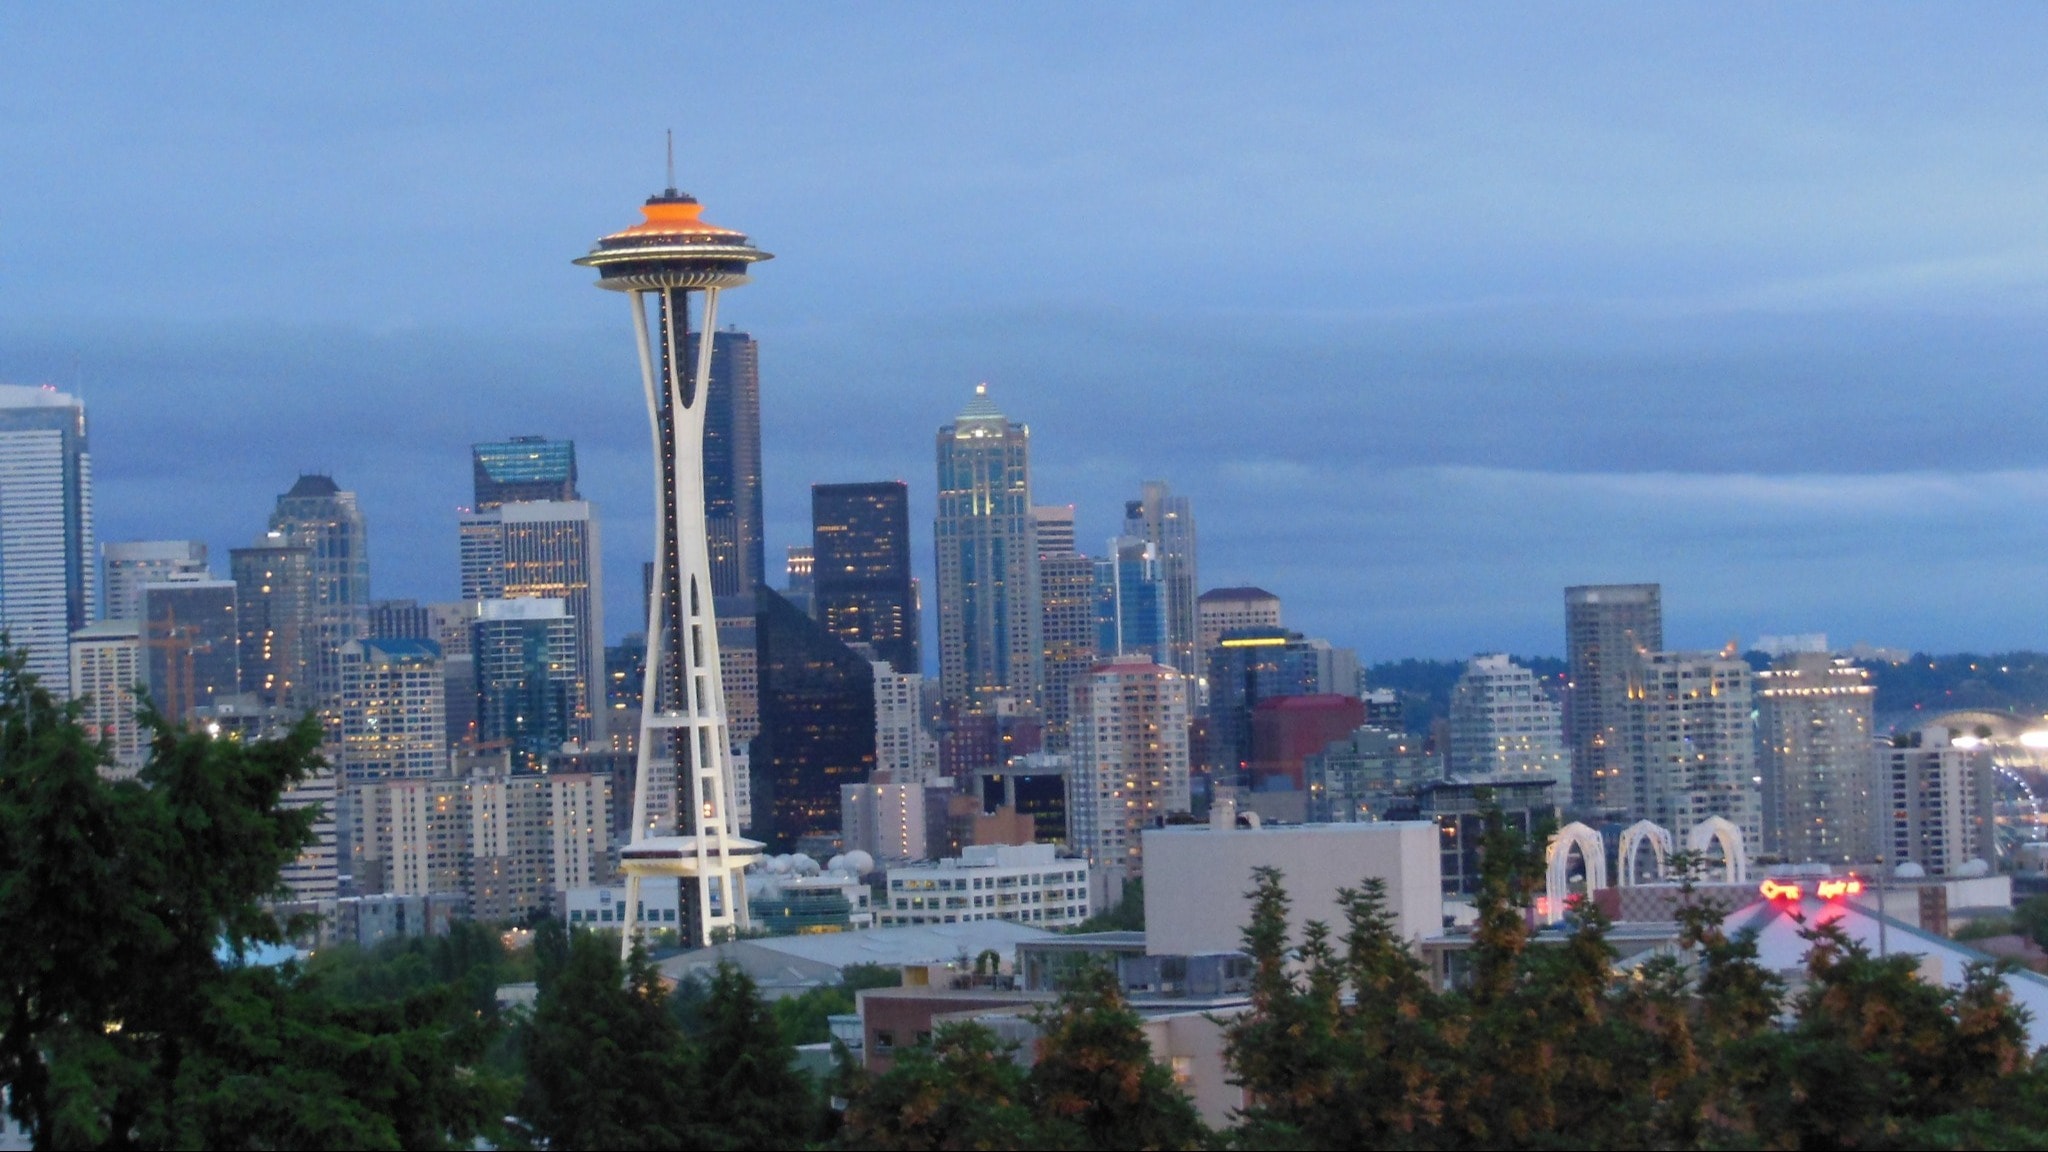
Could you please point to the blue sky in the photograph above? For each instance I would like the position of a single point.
(1432, 309)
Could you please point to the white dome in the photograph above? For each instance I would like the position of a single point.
(802, 865)
(1975, 866)
(858, 863)
(1910, 871)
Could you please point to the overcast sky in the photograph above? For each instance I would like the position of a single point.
(1432, 310)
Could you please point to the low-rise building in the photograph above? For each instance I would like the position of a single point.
(1024, 883)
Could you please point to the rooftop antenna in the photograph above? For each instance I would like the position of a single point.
(671, 161)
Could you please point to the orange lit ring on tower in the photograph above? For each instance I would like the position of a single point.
(672, 248)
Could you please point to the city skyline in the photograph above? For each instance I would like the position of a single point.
(1646, 362)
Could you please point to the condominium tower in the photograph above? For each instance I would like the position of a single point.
(988, 559)
(1605, 626)
(1503, 724)
(1813, 740)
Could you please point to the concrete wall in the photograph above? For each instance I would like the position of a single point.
(1197, 878)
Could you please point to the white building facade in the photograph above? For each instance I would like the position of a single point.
(1024, 884)
(46, 540)
(1504, 724)
(106, 665)
(904, 747)
(1130, 756)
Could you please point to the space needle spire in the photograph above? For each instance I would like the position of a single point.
(676, 264)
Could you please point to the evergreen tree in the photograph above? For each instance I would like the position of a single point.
(1095, 1083)
(606, 1065)
(752, 1094)
(963, 1091)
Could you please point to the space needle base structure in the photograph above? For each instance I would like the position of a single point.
(662, 263)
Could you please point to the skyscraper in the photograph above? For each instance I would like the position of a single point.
(318, 516)
(1605, 625)
(129, 564)
(1249, 665)
(860, 568)
(1690, 746)
(672, 254)
(523, 468)
(191, 634)
(274, 605)
(1221, 609)
(1053, 527)
(528, 678)
(732, 463)
(1503, 724)
(1131, 758)
(817, 725)
(1069, 633)
(46, 583)
(1813, 739)
(550, 549)
(1167, 522)
(1130, 601)
(988, 558)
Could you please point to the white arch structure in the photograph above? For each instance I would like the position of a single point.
(1591, 848)
(1632, 839)
(1734, 857)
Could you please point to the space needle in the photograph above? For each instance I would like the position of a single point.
(672, 256)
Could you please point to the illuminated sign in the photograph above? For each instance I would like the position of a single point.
(1258, 642)
(1832, 889)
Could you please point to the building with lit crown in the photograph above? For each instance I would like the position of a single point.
(989, 643)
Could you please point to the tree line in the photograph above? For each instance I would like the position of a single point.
(131, 1020)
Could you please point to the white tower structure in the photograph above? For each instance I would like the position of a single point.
(669, 256)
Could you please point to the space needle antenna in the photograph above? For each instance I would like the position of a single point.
(671, 160)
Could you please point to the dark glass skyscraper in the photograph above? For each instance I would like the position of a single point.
(523, 468)
(319, 516)
(732, 463)
(817, 724)
(860, 567)
(190, 631)
(274, 602)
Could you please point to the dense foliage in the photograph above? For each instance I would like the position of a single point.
(1548, 1046)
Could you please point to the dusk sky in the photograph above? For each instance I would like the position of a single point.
(1432, 310)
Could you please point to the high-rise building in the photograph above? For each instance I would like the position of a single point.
(1691, 747)
(1605, 625)
(1167, 523)
(798, 582)
(523, 468)
(1052, 526)
(1221, 610)
(860, 568)
(1069, 632)
(989, 643)
(274, 605)
(318, 516)
(904, 747)
(126, 565)
(732, 463)
(47, 581)
(548, 549)
(1505, 726)
(1935, 802)
(191, 634)
(672, 256)
(817, 725)
(525, 660)
(393, 702)
(1253, 664)
(106, 665)
(1287, 730)
(1130, 601)
(1130, 759)
(1813, 739)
